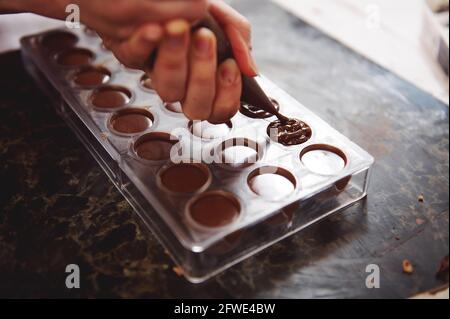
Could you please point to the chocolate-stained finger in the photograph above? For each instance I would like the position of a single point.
(201, 87)
(228, 92)
(171, 67)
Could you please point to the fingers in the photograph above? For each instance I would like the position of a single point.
(160, 11)
(228, 92)
(238, 30)
(135, 51)
(171, 66)
(201, 85)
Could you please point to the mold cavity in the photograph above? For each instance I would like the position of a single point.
(155, 146)
(292, 132)
(239, 153)
(271, 182)
(255, 112)
(213, 210)
(146, 82)
(110, 97)
(206, 130)
(131, 121)
(323, 159)
(91, 76)
(185, 178)
(56, 41)
(75, 57)
(174, 107)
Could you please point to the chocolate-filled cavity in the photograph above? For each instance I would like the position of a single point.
(208, 131)
(238, 153)
(92, 76)
(58, 41)
(174, 107)
(214, 209)
(146, 82)
(185, 178)
(75, 57)
(110, 97)
(292, 132)
(256, 112)
(323, 159)
(131, 121)
(155, 146)
(274, 183)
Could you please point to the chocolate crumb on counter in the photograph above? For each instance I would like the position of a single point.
(407, 267)
(421, 198)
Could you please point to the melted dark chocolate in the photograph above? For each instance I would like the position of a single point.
(131, 121)
(92, 76)
(215, 209)
(56, 41)
(185, 178)
(75, 57)
(154, 146)
(110, 97)
(292, 132)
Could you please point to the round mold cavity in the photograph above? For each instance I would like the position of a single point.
(154, 147)
(294, 132)
(323, 159)
(91, 76)
(208, 131)
(76, 57)
(130, 121)
(57, 41)
(184, 178)
(272, 183)
(213, 210)
(110, 98)
(146, 83)
(239, 153)
(255, 112)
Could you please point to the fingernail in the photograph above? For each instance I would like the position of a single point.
(176, 31)
(203, 46)
(228, 74)
(153, 33)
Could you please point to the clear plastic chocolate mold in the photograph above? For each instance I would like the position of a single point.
(212, 195)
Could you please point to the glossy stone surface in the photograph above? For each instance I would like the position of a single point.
(57, 207)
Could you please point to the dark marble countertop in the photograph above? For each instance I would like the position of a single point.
(57, 207)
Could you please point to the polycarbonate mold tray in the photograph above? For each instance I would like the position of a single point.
(238, 207)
